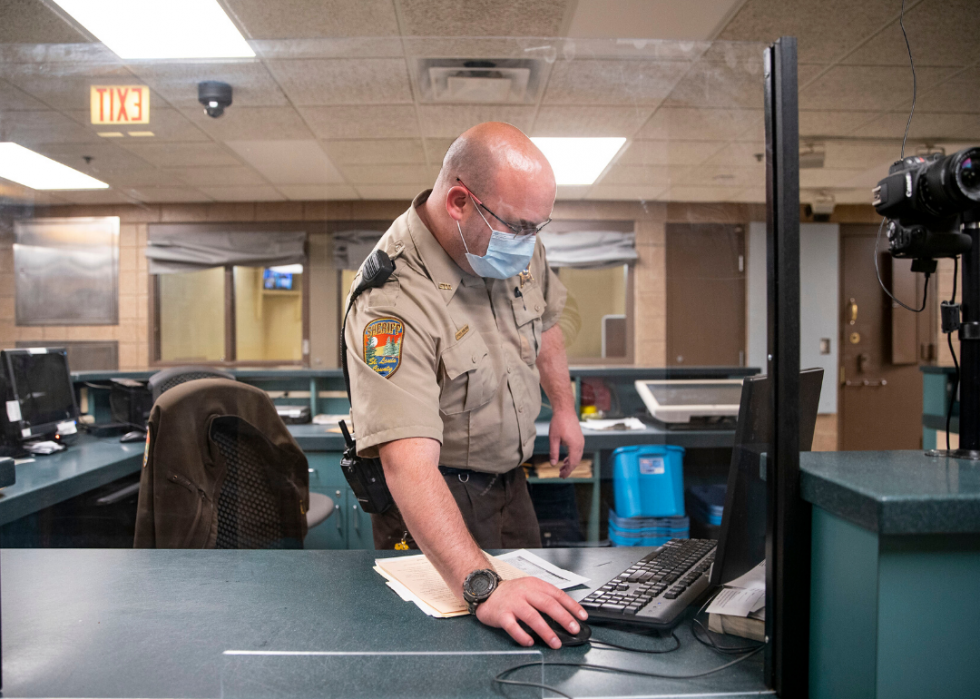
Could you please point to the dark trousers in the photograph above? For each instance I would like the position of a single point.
(496, 508)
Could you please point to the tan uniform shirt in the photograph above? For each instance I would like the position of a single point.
(443, 354)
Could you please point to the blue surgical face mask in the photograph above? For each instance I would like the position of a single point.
(508, 254)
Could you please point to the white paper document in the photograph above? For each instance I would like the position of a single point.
(737, 602)
(626, 423)
(755, 579)
(537, 567)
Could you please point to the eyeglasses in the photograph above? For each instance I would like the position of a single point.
(515, 228)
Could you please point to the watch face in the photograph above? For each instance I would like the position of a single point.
(481, 584)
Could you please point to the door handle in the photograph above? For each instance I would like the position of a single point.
(862, 361)
(852, 309)
(357, 520)
(339, 511)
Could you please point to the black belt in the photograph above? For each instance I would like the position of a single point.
(465, 475)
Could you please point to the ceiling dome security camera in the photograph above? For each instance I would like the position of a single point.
(215, 96)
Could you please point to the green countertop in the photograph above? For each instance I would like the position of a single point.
(895, 492)
(143, 623)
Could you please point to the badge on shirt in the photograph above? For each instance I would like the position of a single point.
(383, 345)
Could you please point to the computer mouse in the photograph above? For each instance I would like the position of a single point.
(567, 639)
(134, 436)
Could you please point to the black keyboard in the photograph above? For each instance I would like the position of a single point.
(655, 590)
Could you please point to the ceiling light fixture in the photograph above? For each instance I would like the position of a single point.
(160, 29)
(578, 161)
(24, 166)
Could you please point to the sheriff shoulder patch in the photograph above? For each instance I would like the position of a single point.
(146, 449)
(383, 345)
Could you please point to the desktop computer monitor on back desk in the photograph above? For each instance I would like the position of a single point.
(40, 394)
(742, 543)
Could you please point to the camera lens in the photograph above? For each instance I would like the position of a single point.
(969, 174)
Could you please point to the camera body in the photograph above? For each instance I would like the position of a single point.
(215, 96)
(926, 198)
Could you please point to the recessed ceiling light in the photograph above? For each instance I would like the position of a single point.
(111, 134)
(141, 134)
(578, 160)
(288, 269)
(160, 28)
(18, 164)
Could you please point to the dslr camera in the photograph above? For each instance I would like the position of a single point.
(926, 198)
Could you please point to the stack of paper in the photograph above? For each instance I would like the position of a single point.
(416, 580)
(544, 469)
(740, 607)
(626, 423)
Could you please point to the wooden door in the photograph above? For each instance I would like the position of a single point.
(880, 401)
(705, 295)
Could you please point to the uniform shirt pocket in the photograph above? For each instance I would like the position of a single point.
(528, 309)
(469, 381)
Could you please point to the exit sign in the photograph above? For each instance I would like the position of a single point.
(120, 104)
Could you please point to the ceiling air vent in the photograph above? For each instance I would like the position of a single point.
(483, 81)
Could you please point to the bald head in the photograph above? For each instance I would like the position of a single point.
(504, 173)
(492, 154)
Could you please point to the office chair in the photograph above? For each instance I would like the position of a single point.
(168, 378)
(222, 471)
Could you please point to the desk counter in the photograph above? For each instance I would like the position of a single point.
(90, 623)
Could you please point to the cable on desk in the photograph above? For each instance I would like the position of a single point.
(613, 646)
(499, 679)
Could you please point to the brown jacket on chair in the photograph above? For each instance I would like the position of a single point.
(183, 468)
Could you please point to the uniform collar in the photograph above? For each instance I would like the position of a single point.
(445, 274)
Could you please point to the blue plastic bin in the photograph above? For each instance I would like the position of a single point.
(648, 481)
(646, 531)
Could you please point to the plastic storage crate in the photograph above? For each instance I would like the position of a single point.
(648, 481)
(646, 531)
(706, 503)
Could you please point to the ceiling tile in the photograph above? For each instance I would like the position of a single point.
(825, 30)
(646, 19)
(14, 99)
(613, 82)
(305, 19)
(481, 17)
(376, 151)
(751, 195)
(256, 193)
(668, 152)
(444, 121)
(415, 175)
(166, 124)
(66, 85)
(367, 47)
(627, 192)
(669, 123)
(216, 176)
(702, 193)
(848, 88)
(312, 82)
(106, 157)
(33, 22)
(855, 154)
(253, 124)
(97, 196)
(636, 175)
(723, 175)
(34, 128)
(251, 83)
(851, 196)
(832, 123)
(925, 127)
(389, 191)
(436, 148)
(169, 195)
(583, 121)
(289, 162)
(957, 94)
(717, 84)
(386, 121)
(567, 192)
(144, 177)
(181, 154)
(316, 192)
(941, 33)
(741, 155)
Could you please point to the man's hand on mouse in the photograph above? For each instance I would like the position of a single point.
(525, 599)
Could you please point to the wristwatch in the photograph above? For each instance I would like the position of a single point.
(479, 585)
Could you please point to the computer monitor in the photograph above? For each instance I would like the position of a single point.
(275, 280)
(41, 395)
(679, 400)
(742, 543)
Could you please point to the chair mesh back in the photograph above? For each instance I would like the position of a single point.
(178, 379)
(248, 509)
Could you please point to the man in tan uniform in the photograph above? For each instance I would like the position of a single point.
(446, 360)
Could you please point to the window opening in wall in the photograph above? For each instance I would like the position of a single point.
(597, 314)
